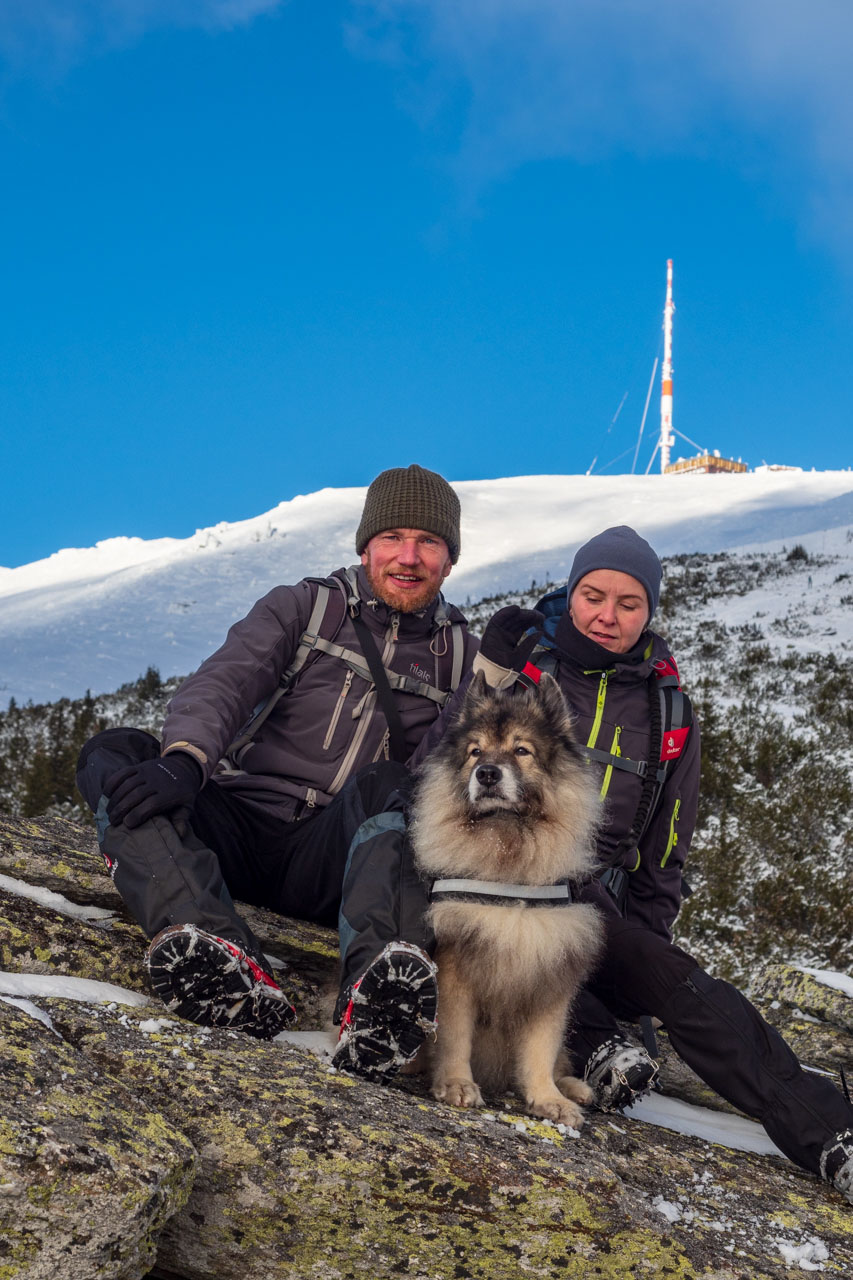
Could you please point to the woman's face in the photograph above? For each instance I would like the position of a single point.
(611, 608)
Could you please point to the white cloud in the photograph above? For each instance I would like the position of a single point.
(49, 35)
(769, 79)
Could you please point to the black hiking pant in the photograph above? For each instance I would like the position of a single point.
(347, 864)
(717, 1032)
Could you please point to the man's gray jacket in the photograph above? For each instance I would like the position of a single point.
(329, 723)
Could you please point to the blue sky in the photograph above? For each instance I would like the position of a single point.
(249, 249)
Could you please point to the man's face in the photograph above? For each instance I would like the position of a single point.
(406, 567)
(611, 608)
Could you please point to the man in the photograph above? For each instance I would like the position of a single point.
(280, 778)
(615, 673)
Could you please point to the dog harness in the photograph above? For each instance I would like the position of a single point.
(494, 891)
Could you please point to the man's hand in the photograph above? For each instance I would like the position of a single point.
(154, 786)
(511, 636)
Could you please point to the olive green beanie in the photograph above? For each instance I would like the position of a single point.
(411, 498)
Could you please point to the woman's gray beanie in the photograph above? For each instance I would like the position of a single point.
(623, 549)
(411, 498)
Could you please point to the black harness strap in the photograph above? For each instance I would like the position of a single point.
(396, 734)
(615, 762)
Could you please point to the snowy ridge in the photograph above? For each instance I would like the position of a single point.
(98, 617)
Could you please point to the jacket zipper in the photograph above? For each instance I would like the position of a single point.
(336, 714)
(615, 750)
(599, 709)
(673, 834)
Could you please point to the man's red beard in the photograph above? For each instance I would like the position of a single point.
(412, 601)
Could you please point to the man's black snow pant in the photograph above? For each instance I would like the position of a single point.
(347, 864)
(716, 1031)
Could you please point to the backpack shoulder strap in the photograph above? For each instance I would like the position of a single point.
(308, 643)
(552, 605)
(543, 660)
(457, 641)
(676, 710)
(676, 720)
(442, 620)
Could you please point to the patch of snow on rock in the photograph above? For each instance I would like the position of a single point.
(839, 981)
(58, 986)
(54, 901)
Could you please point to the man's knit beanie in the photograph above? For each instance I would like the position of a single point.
(622, 549)
(411, 498)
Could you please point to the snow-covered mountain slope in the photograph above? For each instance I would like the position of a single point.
(96, 618)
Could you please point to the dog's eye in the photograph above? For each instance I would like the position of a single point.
(522, 751)
(474, 751)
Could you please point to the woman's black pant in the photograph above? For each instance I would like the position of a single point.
(717, 1032)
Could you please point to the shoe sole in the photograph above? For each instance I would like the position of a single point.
(391, 1013)
(218, 989)
(621, 1078)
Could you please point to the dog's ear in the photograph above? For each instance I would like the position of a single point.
(554, 704)
(478, 690)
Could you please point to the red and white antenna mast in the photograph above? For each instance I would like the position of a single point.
(667, 440)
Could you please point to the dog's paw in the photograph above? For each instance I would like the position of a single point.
(458, 1092)
(577, 1090)
(557, 1109)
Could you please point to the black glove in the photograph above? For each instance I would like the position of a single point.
(154, 786)
(511, 636)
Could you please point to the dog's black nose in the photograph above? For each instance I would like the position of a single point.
(488, 775)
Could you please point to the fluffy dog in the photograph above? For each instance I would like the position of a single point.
(506, 801)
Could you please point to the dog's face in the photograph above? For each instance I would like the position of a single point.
(505, 747)
(506, 794)
(503, 769)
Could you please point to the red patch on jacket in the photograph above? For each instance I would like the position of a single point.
(673, 743)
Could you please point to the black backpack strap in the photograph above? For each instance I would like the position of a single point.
(670, 709)
(396, 734)
(311, 641)
(543, 660)
(457, 640)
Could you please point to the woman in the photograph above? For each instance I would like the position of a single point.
(614, 672)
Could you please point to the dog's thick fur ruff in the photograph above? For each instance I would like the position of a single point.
(506, 797)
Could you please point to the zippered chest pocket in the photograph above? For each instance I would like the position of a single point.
(336, 711)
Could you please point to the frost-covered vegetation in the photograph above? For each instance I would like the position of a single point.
(40, 743)
(772, 686)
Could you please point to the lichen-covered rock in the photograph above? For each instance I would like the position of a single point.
(796, 989)
(305, 1172)
(49, 941)
(816, 1019)
(302, 1172)
(63, 857)
(89, 1173)
(56, 854)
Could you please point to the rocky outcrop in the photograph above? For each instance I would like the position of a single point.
(133, 1142)
(88, 1171)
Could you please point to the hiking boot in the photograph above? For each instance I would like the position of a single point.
(214, 982)
(836, 1163)
(619, 1072)
(391, 1011)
